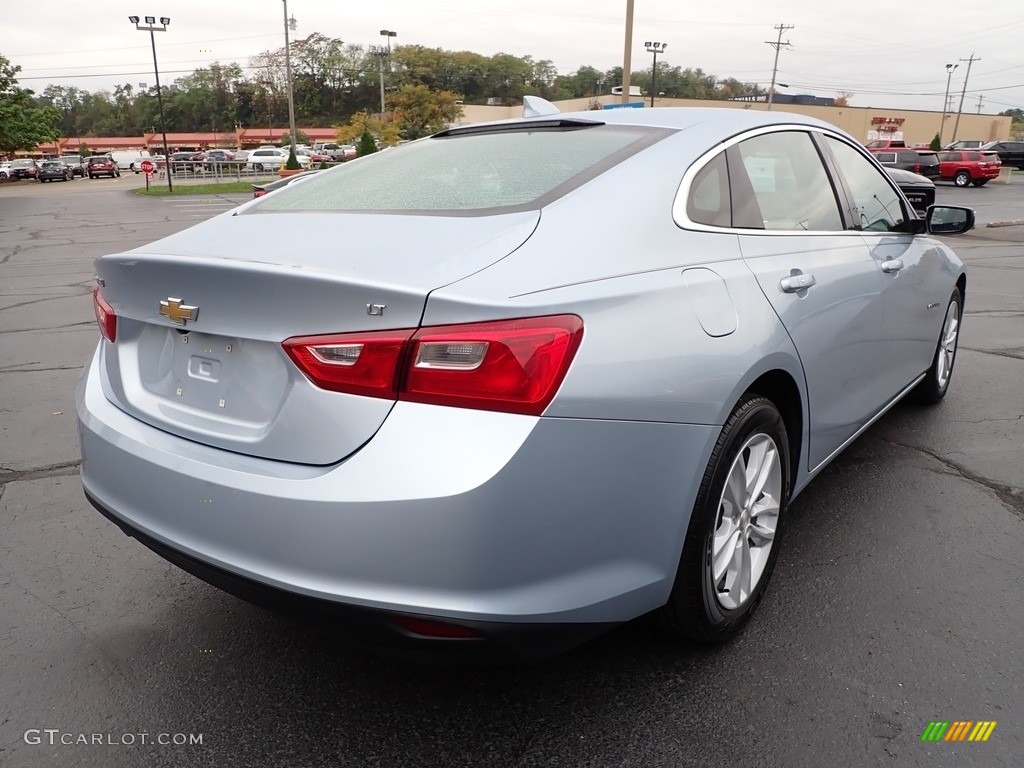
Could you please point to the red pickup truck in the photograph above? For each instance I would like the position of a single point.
(969, 166)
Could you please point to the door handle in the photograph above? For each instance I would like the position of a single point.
(795, 283)
(892, 265)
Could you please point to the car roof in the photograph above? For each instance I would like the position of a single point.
(679, 118)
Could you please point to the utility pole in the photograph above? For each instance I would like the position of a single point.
(963, 93)
(981, 100)
(777, 45)
(627, 59)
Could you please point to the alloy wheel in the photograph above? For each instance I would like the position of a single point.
(748, 514)
(947, 345)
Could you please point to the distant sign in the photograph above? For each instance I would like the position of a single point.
(628, 105)
(146, 166)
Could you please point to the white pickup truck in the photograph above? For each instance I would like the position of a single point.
(337, 152)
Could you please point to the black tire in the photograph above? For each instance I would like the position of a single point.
(91, 176)
(934, 385)
(258, 167)
(962, 178)
(980, 182)
(695, 609)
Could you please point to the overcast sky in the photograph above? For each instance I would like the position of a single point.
(891, 54)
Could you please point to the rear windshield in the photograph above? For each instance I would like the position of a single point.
(473, 173)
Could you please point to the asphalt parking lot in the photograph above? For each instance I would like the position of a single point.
(898, 598)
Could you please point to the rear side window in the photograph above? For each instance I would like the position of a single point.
(974, 155)
(789, 182)
(479, 173)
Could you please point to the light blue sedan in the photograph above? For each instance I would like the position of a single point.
(505, 387)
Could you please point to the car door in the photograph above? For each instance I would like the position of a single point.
(820, 278)
(915, 278)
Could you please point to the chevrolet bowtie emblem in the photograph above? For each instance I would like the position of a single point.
(177, 312)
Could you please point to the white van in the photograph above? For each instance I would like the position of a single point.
(129, 159)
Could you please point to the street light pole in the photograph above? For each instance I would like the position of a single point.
(387, 34)
(655, 48)
(950, 68)
(151, 28)
(288, 72)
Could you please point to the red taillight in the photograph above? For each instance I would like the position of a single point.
(917, 167)
(515, 366)
(439, 629)
(105, 317)
(259, 192)
(356, 363)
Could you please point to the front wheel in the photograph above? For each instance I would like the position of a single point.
(258, 167)
(962, 179)
(730, 546)
(934, 385)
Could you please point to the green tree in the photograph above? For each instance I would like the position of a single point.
(936, 143)
(367, 146)
(293, 162)
(22, 124)
(419, 111)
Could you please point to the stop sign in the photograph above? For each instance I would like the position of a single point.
(146, 166)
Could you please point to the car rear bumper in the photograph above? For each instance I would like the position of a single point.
(460, 515)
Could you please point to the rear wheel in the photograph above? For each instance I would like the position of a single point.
(934, 385)
(962, 178)
(730, 545)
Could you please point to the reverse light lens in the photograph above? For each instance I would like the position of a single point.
(105, 317)
(451, 356)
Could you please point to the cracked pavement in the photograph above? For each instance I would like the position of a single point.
(898, 597)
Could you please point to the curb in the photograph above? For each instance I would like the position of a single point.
(1011, 223)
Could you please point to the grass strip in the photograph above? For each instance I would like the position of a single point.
(227, 187)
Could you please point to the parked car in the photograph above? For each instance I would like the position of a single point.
(337, 152)
(5, 170)
(969, 166)
(965, 144)
(55, 170)
(493, 434)
(887, 144)
(263, 159)
(1010, 152)
(101, 165)
(76, 163)
(259, 190)
(24, 168)
(218, 155)
(315, 158)
(925, 163)
(919, 190)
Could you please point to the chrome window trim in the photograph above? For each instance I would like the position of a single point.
(683, 221)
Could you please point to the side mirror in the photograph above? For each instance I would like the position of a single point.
(949, 219)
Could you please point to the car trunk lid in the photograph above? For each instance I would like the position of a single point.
(202, 314)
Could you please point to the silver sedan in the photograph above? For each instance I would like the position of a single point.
(546, 375)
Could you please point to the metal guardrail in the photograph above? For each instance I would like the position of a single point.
(219, 170)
